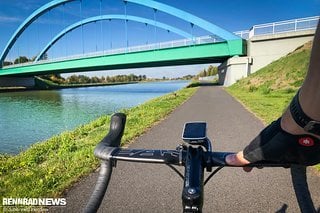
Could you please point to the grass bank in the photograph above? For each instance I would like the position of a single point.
(48, 168)
(269, 91)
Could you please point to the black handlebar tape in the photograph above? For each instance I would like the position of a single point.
(113, 138)
(100, 188)
(301, 189)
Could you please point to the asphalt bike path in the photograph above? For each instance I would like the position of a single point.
(149, 188)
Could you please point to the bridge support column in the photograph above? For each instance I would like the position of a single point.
(17, 81)
(234, 69)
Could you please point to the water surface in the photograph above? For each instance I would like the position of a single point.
(28, 117)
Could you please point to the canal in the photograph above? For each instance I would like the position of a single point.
(32, 116)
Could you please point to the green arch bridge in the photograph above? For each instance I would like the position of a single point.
(216, 48)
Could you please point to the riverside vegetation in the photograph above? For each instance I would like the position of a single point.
(48, 168)
(56, 81)
(269, 91)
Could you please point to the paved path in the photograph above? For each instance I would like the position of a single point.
(155, 188)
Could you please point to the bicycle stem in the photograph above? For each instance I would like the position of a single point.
(192, 193)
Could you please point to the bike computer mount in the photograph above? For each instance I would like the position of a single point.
(195, 133)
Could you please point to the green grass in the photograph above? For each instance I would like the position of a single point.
(284, 74)
(48, 168)
(268, 91)
(267, 107)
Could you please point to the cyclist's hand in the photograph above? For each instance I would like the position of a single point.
(275, 144)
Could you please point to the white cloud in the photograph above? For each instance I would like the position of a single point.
(8, 19)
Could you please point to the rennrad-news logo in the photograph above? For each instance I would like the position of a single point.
(34, 201)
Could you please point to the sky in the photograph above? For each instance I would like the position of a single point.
(231, 15)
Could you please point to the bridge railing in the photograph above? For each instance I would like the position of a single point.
(293, 25)
(146, 47)
(243, 34)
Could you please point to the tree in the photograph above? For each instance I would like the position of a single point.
(56, 78)
(95, 80)
(7, 63)
(212, 70)
(108, 79)
(21, 59)
(83, 79)
(205, 73)
(73, 79)
(131, 77)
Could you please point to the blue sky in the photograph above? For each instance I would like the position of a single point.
(232, 15)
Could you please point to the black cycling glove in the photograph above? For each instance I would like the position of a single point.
(274, 144)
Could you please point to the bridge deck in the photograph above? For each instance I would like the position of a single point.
(196, 54)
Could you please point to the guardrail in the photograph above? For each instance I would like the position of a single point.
(243, 34)
(154, 46)
(292, 25)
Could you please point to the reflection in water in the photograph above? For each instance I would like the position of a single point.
(28, 117)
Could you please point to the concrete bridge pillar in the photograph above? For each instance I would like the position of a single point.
(17, 81)
(265, 49)
(261, 51)
(234, 69)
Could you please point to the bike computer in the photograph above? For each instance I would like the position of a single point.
(195, 132)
